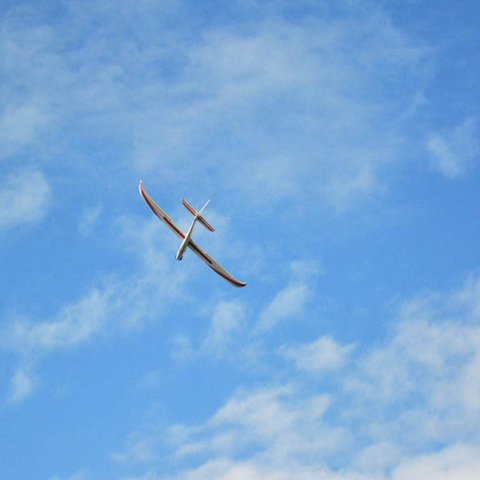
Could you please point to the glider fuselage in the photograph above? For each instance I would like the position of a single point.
(186, 241)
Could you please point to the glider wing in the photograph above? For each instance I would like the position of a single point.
(160, 213)
(214, 265)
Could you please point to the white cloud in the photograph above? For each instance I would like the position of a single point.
(288, 303)
(24, 198)
(227, 321)
(138, 449)
(278, 421)
(312, 87)
(319, 356)
(21, 387)
(21, 125)
(297, 107)
(226, 469)
(426, 372)
(75, 324)
(377, 458)
(305, 269)
(182, 350)
(405, 409)
(458, 462)
(453, 152)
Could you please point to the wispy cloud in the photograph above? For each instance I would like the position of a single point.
(319, 356)
(138, 449)
(227, 321)
(457, 462)
(405, 409)
(24, 198)
(21, 386)
(291, 77)
(429, 365)
(286, 304)
(75, 324)
(453, 152)
(300, 108)
(20, 125)
(274, 419)
(238, 332)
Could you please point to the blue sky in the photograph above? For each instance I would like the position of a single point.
(339, 144)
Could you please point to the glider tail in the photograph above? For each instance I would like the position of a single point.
(198, 215)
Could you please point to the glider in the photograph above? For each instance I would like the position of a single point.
(187, 241)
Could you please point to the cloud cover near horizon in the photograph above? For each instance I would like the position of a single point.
(338, 141)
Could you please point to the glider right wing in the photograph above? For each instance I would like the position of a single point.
(160, 213)
(214, 265)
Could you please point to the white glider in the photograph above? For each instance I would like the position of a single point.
(187, 241)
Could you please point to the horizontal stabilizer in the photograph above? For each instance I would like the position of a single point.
(197, 215)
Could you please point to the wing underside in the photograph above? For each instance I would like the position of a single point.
(213, 264)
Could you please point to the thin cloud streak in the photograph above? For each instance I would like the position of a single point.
(24, 198)
(317, 357)
(286, 304)
(21, 386)
(454, 152)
